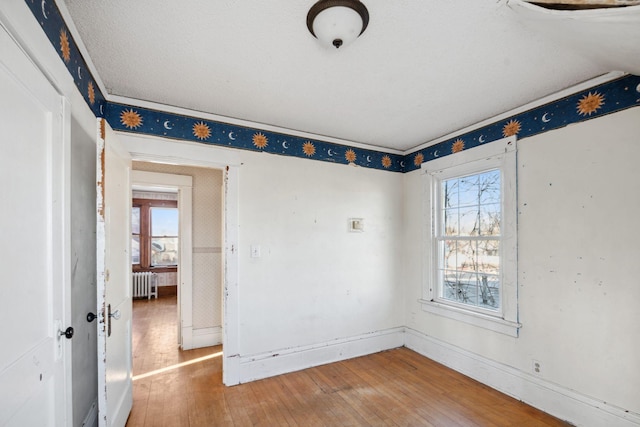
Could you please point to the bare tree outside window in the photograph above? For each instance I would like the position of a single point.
(469, 239)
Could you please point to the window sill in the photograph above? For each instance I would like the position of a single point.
(495, 324)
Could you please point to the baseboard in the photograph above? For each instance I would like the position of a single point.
(551, 398)
(206, 337)
(203, 337)
(91, 420)
(167, 291)
(273, 363)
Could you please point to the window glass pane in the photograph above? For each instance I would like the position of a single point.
(490, 220)
(164, 251)
(489, 291)
(489, 256)
(450, 289)
(467, 259)
(450, 193)
(135, 220)
(469, 221)
(164, 222)
(489, 186)
(469, 288)
(468, 192)
(451, 227)
(449, 259)
(135, 249)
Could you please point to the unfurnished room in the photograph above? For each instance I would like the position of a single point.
(320, 213)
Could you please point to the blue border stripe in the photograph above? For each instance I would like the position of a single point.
(158, 123)
(606, 98)
(595, 102)
(50, 19)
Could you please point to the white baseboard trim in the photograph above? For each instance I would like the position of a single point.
(273, 363)
(556, 400)
(203, 337)
(207, 337)
(91, 420)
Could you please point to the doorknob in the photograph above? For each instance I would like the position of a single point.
(67, 333)
(91, 317)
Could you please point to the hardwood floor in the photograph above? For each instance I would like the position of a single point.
(392, 388)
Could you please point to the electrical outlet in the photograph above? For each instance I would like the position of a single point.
(537, 367)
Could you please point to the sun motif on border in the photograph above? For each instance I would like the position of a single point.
(91, 93)
(350, 155)
(590, 103)
(130, 119)
(201, 130)
(386, 162)
(259, 140)
(458, 145)
(308, 149)
(418, 159)
(65, 48)
(511, 128)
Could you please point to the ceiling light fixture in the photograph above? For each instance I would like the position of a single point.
(337, 22)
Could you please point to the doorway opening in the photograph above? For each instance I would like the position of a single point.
(192, 290)
(166, 153)
(155, 242)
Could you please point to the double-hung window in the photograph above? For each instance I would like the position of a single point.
(470, 254)
(154, 239)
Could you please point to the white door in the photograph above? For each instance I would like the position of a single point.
(34, 359)
(115, 396)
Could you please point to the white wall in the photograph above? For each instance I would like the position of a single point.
(579, 197)
(315, 281)
(317, 293)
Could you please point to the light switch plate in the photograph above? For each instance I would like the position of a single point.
(255, 251)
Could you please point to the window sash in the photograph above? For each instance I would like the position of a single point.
(462, 291)
(146, 238)
(500, 154)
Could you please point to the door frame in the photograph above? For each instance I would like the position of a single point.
(113, 171)
(161, 150)
(184, 185)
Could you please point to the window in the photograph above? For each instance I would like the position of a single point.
(467, 239)
(154, 229)
(471, 246)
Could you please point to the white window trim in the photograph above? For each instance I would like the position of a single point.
(497, 154)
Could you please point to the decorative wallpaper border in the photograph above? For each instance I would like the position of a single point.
(50, 19)
(597, 101)
(129, 118)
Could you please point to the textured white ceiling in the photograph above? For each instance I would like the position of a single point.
(421, 70)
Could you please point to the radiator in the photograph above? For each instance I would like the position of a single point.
(145, 285)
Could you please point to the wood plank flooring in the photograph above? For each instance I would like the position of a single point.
(392, 388)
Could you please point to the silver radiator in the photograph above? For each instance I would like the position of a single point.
(145, 285)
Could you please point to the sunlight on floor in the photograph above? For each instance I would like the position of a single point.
(177, 365)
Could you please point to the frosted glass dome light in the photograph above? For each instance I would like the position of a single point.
(337, 23)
